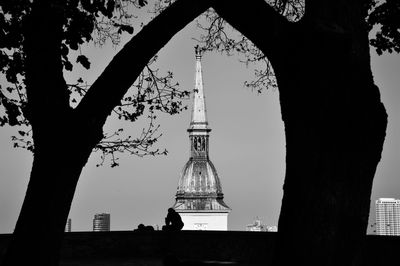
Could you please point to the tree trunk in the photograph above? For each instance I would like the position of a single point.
(334, 122)
(63, 142)
(64, 138)
(335, 128)
(39, 231)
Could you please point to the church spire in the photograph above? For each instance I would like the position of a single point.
(199, 113)
(198, 129)
(199, 197)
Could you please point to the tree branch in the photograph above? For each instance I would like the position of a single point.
(108, 90)
(255, 19)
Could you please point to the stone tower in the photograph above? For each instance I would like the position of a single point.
(199, 197)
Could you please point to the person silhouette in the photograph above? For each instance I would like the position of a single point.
(173, 221)
(140, 228)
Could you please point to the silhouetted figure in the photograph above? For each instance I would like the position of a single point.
(140, 228)
(149, 228)
(143, 228)
(173, 221)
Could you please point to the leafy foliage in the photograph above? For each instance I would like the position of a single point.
(385, 15)
(84, 21)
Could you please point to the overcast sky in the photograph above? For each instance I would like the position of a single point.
(247, 146)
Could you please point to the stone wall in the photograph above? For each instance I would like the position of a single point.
(247, 248)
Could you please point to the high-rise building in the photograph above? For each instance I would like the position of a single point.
(199, 197)
(101, 222)
(68, 226)
(387, 216)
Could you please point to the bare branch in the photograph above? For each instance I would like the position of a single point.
(113, 144)
(220, 36)
(100, 100)
(264, 78)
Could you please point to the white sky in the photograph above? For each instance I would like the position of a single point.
(247, 147)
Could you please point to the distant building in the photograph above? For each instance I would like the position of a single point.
(272, 228)
(387, 216)
(199, 197)
(101, 222)
(68, 226)
(257, 226)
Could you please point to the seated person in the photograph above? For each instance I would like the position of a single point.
(173, 221)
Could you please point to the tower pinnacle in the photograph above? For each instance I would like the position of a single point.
(199, 113)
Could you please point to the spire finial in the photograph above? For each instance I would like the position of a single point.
(198, 52)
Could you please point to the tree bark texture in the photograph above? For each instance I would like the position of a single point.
(334, 121)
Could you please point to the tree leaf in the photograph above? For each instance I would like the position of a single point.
(67, 65)
(127, 28)
(84, 61)
(142, 3)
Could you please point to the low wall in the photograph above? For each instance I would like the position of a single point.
(249, 248)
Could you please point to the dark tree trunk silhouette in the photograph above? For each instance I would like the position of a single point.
(64, 137)
(334, 123)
